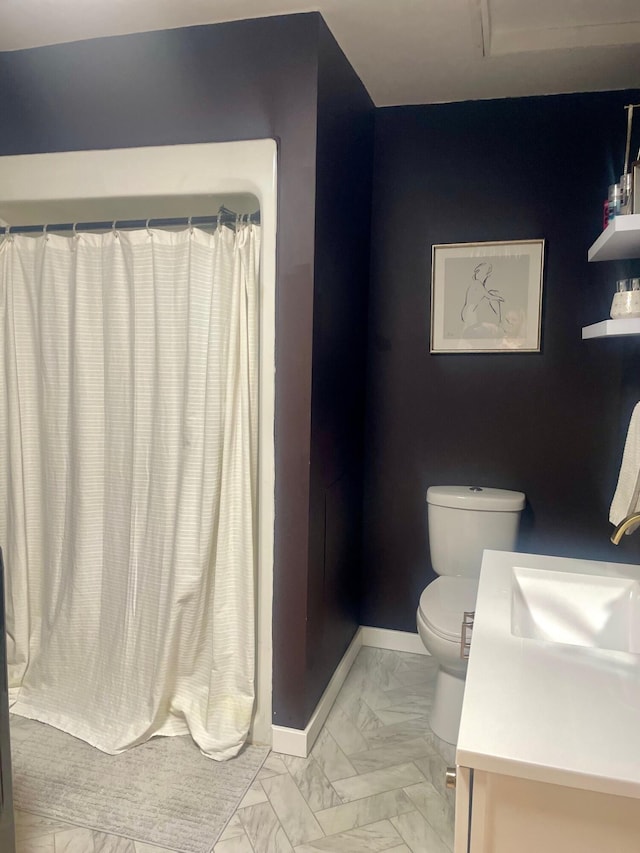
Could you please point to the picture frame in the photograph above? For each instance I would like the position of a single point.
(486, 297)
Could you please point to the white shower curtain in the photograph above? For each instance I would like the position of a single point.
(128, 441)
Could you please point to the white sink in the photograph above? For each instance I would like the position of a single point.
(576, 609)
(553, 682)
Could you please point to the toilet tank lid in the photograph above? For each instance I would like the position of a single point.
(476, 497)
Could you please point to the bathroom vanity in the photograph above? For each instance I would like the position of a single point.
(548, 755)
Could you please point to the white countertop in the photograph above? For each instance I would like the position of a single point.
(544, 711)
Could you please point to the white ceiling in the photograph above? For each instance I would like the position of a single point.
(405, 51)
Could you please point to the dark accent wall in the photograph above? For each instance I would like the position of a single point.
(341, 282)
(248, 80)
(551, 424)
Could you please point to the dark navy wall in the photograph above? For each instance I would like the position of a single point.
(341, 277)
(550, 424)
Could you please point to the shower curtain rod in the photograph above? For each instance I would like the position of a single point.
(224, 217)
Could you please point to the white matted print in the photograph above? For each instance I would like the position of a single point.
(486, 297)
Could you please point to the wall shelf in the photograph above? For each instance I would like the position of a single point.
(619, 240)
(612, 328)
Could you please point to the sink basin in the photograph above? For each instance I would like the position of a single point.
(576, 609)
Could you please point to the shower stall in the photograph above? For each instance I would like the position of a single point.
(159, 183)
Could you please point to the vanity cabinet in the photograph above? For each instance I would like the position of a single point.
(548, 753)
(496, 813)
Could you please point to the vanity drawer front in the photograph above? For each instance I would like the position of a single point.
(509, 813)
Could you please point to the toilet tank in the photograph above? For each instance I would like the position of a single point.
(464, 520)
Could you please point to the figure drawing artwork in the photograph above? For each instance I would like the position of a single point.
(486, 297)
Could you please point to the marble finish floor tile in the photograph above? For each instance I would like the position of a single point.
(413, 678)
(312, 783)
(292, 810)
(374, 780)
(332, 760)
(111, 844)
(419, 835)
(254, 795)
(433, 768)
(233, 828)
(345, 731)
(264, 830)
(400, 714)
(273, 766)
(434, 808)
(407, 696)
(360, 709)
(377, 666)
(239, 844)
(399, 733)
(356, 689)
(373, 838)
(378, 781)
(411, 661)
(362, 812)
(388, 755)
(74, 840)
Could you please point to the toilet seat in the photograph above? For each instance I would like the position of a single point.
(444, 602)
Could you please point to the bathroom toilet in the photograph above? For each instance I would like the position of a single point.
(463, 521)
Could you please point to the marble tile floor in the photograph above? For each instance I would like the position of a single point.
(373, 782)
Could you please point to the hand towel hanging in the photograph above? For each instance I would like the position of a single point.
(627, 495)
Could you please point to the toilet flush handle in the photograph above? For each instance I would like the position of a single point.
(465, 633)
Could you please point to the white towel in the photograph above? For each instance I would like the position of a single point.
(627, 495)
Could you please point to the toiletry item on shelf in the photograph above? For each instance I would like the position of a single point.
(626, 179)
(626, 198)
(615, 198)
(626, 300)
(621, 195)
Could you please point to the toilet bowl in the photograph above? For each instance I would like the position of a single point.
(463, 521)
(439, 620)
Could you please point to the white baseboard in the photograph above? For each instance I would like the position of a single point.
(395, 641)
(300, 741)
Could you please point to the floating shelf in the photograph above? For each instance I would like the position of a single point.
(619, 240)
(612, 328)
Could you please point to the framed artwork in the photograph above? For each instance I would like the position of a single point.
(486, 297)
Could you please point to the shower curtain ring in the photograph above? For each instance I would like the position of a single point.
(149, 232)
(190, 224)
(44, 232)
(114, 230)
